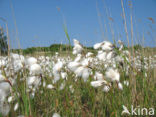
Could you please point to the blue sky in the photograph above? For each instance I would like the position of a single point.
(39, 22)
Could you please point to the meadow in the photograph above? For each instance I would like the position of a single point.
(109, 79)
(81, 83)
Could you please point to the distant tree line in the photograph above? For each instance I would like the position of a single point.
(57, 48)
(51, 48)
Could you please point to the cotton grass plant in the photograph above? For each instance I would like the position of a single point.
(86, 85)
(82, 83)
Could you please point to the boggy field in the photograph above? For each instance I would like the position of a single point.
(107, 82)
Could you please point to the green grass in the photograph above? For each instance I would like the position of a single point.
(87, 101)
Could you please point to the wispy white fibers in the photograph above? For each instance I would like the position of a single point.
(97, 45)
(4, 109)
(102, 55)
(98, 76)
(35, 69)
(62, 86)
(78, 58)
(80, 66)
(121, 45)
(2, 62)
(107, 46)
(77, 47)
(58, 66)
(110, 55)
(20, 116)
(5, 86)
(89, 54)
(120, 86)
(56, 76)
(17, 65)
(2, 77)
(56, 115)
(57, 71)
(126, 83)
(3, 95)
(73, 65)
(85, 74)
(71, 88)
(10, 99)
(33, 81)
(16, 62)
(112, 75)
(16, 106)
(98, 83)
(50, 86)
(30, 61)
(64, 75)
(14, 56)
(79, 71)
(106, 88)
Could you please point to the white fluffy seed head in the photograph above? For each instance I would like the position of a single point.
(102, 55)
(126, 83)
(99, 83)
(112, 75)
(63, 75)
(4, 109)
(16, 106)
(57, 67)
(106, 88)
(56, 115)
(56, 77)
(62, 86)
(77, 49)
(5, 86)
(79, 71)
(107, 46)
(97, 45)
(33, 81)
(85, 74)
(35, 69)
(30, 61)
(73, 66)
(10, 99)
(98, 76)
(120, 86)
(50, 86)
